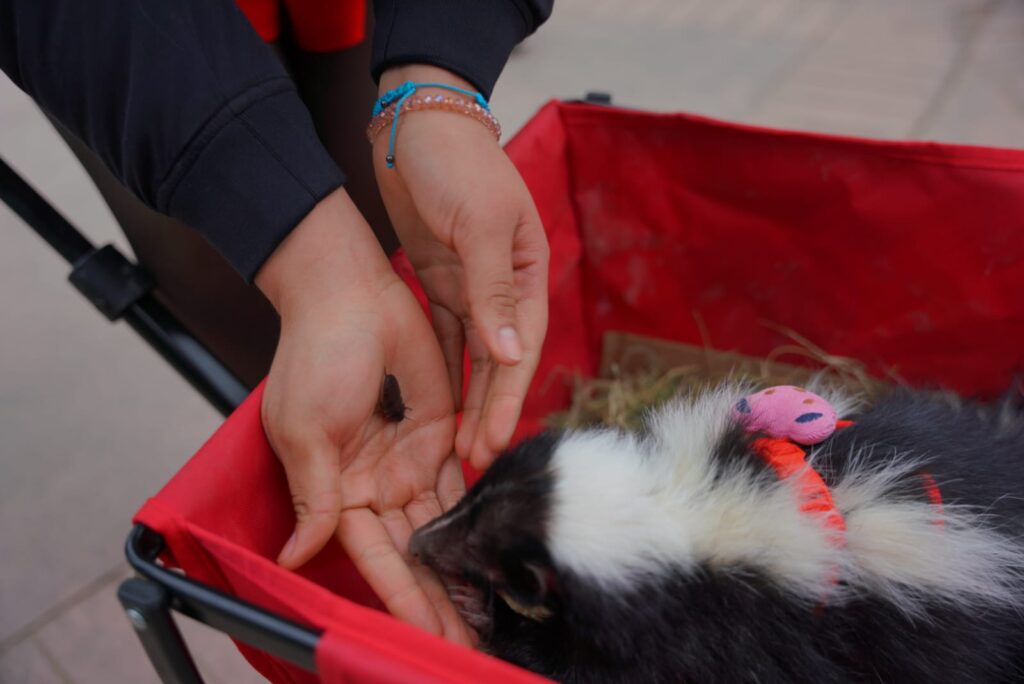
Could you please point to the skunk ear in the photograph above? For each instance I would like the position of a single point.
(528, 585)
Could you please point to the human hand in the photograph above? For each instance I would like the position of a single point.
(346, 319)
(471, 231)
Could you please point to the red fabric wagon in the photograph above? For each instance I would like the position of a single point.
(904, 255)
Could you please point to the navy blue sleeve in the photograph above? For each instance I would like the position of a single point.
(184, 103)
(472, 38)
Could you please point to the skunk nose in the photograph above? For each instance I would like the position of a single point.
(417, 545)
(429, 537)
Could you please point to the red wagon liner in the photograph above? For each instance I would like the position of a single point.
(904, 255)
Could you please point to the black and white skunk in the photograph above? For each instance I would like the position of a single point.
(678, 555)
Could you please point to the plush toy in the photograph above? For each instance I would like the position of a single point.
(791, 416)
(787, 412)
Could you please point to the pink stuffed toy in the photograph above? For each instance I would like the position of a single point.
(787, 412)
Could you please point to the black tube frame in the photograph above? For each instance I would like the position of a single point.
(259, 628)
(147, 605)
(146, 314)
(150, 599)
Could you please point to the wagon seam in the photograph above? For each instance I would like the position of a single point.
(1001, 159)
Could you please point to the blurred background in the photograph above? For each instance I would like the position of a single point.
(92, 421)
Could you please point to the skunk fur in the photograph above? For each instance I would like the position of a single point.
(677, 555)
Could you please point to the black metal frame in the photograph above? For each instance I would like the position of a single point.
(149, 599)
(120, 289)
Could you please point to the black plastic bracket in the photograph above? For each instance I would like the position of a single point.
(148, 607)
(120, 289)
(110, 281)
(597, 97)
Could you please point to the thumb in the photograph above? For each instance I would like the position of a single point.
(487, 259)
(316, 495)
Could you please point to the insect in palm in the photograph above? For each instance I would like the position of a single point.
(390, 405)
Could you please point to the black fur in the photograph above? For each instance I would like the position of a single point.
(735, 625)
(495, 539)
(974, 452)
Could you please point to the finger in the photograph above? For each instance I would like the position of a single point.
(315, 484)
(452, 623)
(486, 256)
(509, 384)
(451, 486)
(423, 509)
(448, 329)
(501, 412)
(369, 545)
(503, 404)
(399, 527)
(502, 408)
(481, 368)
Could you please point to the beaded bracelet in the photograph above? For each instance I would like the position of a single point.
(439, 102)
(391, 104)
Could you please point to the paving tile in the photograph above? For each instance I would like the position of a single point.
(26, 664)
(92, 420)
(692, 56)
(836, 97)
(878, 72)
(81, 452)
(95, 644)
(985, 103)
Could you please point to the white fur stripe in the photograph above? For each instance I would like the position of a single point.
(626, 508)
(899, 549)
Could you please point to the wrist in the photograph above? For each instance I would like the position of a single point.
(432, 109)
(330, 254)
(421, 73)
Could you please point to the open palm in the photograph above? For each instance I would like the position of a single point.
(353, 473)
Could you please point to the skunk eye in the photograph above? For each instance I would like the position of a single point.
(743, 406)
(808, 417)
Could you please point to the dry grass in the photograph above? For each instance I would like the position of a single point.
(622, 399)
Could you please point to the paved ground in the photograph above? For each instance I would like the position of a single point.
(92, 421)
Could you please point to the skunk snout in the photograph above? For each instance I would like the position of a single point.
(441, 546)
(418, 544)
(440, 543)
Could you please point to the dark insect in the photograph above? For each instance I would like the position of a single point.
(390, 405)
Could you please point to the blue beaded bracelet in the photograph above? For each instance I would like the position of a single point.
(398, 96)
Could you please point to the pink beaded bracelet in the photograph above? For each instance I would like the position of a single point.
(448, 103)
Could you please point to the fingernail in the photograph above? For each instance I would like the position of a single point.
(289, 548)
(509, 344)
